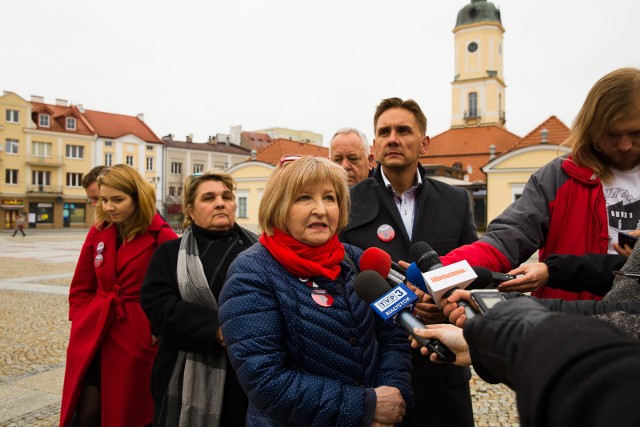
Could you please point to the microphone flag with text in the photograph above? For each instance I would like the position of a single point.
(440, 280)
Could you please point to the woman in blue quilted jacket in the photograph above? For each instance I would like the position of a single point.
(306, 349)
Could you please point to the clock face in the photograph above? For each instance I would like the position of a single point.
(472, 47)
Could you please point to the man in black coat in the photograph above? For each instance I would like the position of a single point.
(398, 207)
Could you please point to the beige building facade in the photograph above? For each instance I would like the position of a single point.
(303, 136)
(251, 178)
(45, 152)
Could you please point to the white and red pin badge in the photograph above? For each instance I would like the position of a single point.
(320, 296)
(386, 233)
(97, 262)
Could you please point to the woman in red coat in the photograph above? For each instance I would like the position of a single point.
(111, 347)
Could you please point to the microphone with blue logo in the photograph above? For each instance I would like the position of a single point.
(395, 304)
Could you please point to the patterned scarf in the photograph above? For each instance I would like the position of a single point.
(625, 289)
(303, 260)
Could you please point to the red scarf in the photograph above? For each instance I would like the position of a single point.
(303, 260)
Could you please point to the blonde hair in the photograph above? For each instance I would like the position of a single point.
(191, 184)
(288, 181)
(614, 97)
(128, 180)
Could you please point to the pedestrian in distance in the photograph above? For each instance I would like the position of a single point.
(19, 225)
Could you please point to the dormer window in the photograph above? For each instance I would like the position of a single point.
(71, 123)
(44, 120)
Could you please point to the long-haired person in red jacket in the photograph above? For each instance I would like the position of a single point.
(111, 347)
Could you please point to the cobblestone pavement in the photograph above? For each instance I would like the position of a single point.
(35, 272)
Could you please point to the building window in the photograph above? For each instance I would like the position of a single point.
(172, 191)
(198, 167)
(130, 160)
(180, 191)
(176, 168)
(13, 116)
(108, 143)
(12, 146)
(242, 207)
(41, 178)
(473, 104)
(75, 151)
(108, 159)
(43, 120)
(11, 176)
(71, 123)
(73, 213)
(149, 147)
(149, 163)
(242, 197)
(41, 149)
(43, 212)
(74, 179)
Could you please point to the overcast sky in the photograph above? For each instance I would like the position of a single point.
(200, 67)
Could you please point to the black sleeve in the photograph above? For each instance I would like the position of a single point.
(590, 307)
(187, 326)
(577, 273)
(558, 364)
(563, 367)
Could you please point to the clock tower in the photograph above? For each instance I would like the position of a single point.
(478, 86)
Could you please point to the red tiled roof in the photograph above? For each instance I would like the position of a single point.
(58, 118)
(285, 147)
(558, 132)
(256, 140)
(109, 125)
(468, 146)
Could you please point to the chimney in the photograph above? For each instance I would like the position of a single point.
(492, 152)
(62, 102)
(236, 134)
(544, 134)
(140, 117)
(254, 154)
(37, 98)
(190, 137)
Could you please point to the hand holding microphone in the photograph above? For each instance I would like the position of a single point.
(395, 304)
(451, 336)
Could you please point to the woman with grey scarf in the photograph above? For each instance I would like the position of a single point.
(193, 384)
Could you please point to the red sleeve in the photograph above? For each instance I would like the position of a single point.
(479, 254)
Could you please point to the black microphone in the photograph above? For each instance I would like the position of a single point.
(428, 260)
(488, 279)
(424, 256)
(370, 286)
